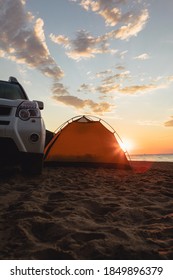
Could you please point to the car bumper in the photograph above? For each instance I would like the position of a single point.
(27, 136)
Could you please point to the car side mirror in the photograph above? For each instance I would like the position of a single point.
(40, 104)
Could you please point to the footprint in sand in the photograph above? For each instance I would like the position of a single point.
(53, 254)
(87, 236)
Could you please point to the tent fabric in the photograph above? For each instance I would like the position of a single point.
(85, 141)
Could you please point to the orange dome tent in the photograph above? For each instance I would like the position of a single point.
(84, 141)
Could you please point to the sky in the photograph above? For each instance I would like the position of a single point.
(108, 58)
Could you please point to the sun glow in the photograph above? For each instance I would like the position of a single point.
(127, 145)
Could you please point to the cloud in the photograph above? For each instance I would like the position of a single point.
(170, 79)
(103, 73)
(113, 12)
(169, 123)
(120, 67)
(89, 4)
(2, 53)
(60, 40)
(108, 88)
(85, 88)
(62, 95)
(78, 103)
(136, 24)
(23, 39)
(84, 45)
(111, 83)
(115, 83)
(123, 54)
(117, 77)
(59, 89)
(112, 17)
(99, 4)
(143, 56)
(138, 88)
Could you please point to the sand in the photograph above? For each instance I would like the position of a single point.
(87, 214)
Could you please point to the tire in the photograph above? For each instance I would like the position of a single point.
(32, 164)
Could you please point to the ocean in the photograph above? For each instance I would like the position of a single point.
(153, 157)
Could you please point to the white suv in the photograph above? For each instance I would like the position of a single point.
(22, 130)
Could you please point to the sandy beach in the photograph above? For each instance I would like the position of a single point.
(87, 214)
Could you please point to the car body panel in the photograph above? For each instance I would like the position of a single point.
(17, 134)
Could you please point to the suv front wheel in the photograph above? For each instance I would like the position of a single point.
(32, 164)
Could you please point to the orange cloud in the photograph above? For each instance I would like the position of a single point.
(61, 94)
(169, 123)
(137, 88)
(78, 103)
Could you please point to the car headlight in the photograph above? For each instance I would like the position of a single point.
(27, 110)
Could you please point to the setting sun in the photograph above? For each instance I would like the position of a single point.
(127, 145)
